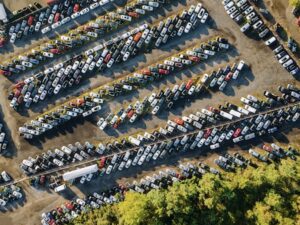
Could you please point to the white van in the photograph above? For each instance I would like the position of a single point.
(235, 113)
(134, 141)
(226, 115)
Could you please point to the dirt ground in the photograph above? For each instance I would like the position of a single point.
(264, 73)
(282, 13)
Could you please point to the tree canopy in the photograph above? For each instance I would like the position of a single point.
(295, 3)
(266, 195)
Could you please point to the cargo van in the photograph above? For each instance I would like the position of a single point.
(134, 141)
(226, 115)
(235, 113)
(242, 110)
(250, 109)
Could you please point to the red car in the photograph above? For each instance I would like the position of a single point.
(59, 210)
(133, 14)
(116, 125)
(137, 37)
(55, 51)
(130, 113)
(30, 20)
(146, 72)
(237, 132)
(42, 179)
(179, 121)
(56, 17)
(2, 42)
(267, 148)
(102, 162)
(79, 102)
(214, 110)
(52, 222)
(162, 71)
(69, 205)
(107, 58)
(51, 2)
(189, 84)
(4, 72)
(194, 58)
(207, 133)
(76, 8)
(20, 99)
(229, 76)
(16, 92)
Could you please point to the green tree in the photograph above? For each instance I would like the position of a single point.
(295, 3)
(265, 195)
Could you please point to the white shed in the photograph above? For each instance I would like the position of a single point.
(80, 172)
(3, 15)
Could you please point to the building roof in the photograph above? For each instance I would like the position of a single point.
(80, 172)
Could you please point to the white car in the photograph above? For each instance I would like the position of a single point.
(155, 110)
(58, 66)
(5, 176)
(133, 118)
(85, 68)
(109, 169)
(103, 125)
(56, 25)
(100, 121)
(65, 20)
(188, 27)
(96, 108)
(48, 54)
(126, 55)
(65, 38)
(57, 89)
(37, 26)
(2, 202)
(75, 15)
(46, 30)
(192, 90)
(50, 19)
(94, 5)
(43, 95)
(84, 11)
(103, 2)
(126, 18)
(92, 66)
(13, 38)
(27, 64)
(270, 41)
(110, 63)
(204, 18)
(245, 27)
(284, 59)
(147, 8)
(204, 78)
(92, 34)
